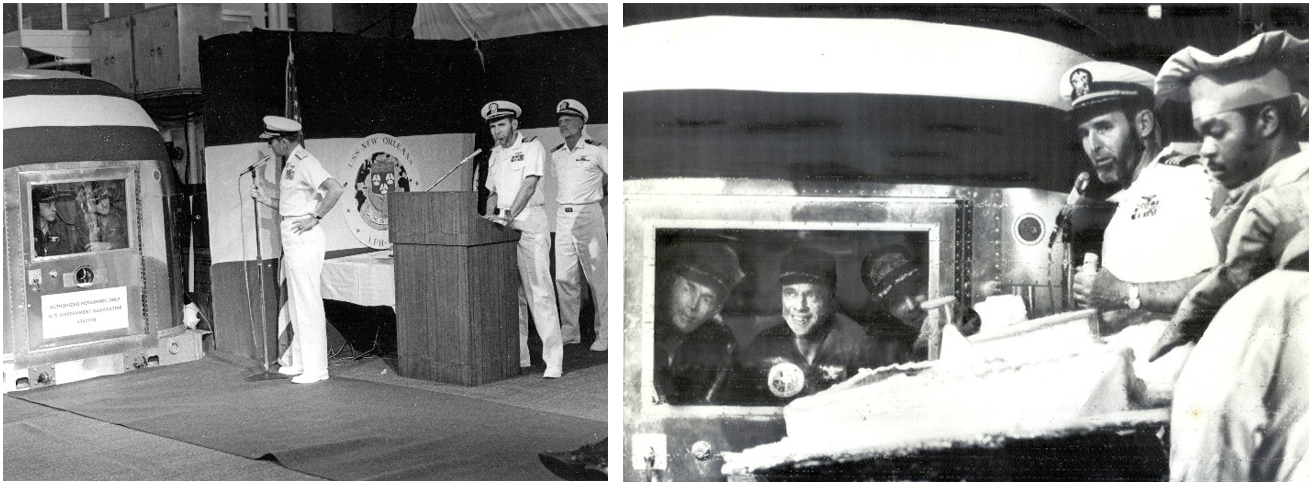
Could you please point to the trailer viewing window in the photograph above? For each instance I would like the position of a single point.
(748, 327)
(727, 321)
(80, 217)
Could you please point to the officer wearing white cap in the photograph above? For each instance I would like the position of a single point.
(1158, 243)
(516, 164)
(306, 193)
(1240, 407)
(581, 165)
(815, 346)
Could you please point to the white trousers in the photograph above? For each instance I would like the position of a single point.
(537, 285)
(582, 248)
(303, 260)
(1240, 406)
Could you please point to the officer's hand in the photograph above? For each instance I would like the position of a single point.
(258, 194)
(1098, 289)
(304, 224)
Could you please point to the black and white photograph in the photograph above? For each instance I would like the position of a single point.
(965, 242)
(305, 241)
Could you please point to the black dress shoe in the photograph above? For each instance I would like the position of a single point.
(587, 463)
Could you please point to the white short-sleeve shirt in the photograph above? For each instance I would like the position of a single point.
(580, 171)
(299, 183)
(508, 167)
(1161, 230)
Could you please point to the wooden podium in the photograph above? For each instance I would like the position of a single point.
(456, 281)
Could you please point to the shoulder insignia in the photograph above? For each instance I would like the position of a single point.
(1181, 160)
(591, 141)
(530, 138)
(301, 155)
(560, 146)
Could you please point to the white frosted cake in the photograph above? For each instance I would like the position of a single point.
(932, 402)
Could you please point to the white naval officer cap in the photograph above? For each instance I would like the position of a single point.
(498, 109)
(573, 107)
(1103, 81)
(1265, 68)
(276, 126)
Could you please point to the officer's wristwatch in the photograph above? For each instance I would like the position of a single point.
(1134, 301)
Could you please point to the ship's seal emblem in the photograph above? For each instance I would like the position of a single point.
(381, 163)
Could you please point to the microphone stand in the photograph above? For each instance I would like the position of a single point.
(454, 168)
(265, 373)
(260, 266)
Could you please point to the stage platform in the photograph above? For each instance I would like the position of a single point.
(204, 421)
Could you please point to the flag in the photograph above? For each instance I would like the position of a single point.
(292, 109)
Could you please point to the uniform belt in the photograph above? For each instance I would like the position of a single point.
(294, 217)
(498, 211)
(573, 207)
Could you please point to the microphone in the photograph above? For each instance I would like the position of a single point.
(253, 166)
(459, 165)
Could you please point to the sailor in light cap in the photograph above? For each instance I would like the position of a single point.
(581, 165)
(307, 192)
(1240, 407)
(516, 164)
(1158, 243)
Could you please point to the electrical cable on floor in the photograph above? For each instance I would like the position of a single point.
(346, 344)
(372, 347)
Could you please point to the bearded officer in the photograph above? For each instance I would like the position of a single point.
(1158, 244)
(814, 346)
(1240, 409)
(516, 165)
(582, 237)
(306, 193)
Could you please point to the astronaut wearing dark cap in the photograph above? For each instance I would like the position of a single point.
(814, 346)
(581, 247)
(516, 164)
(897, 286)
(52, 235)
(694, 352)
(1240, 407)
(307, 192)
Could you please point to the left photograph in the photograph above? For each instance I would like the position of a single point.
(305, 242)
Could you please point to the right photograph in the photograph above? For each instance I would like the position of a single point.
(1049, 242)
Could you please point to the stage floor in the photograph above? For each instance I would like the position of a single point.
(38, 440)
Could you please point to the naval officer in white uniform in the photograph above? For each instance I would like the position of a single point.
(516, 165)
(306, 193)
(581, 164)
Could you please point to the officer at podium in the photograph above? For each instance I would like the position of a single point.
(516, 165)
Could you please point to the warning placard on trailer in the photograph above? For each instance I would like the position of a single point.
(84, 312)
